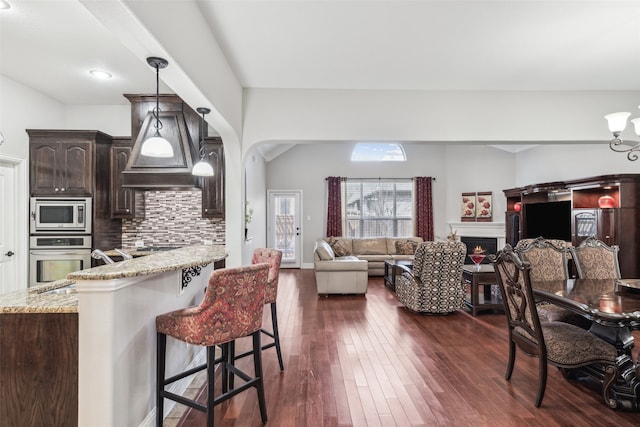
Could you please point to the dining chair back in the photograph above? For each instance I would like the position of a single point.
(594, 259)
(560, 344)
(548, 261)
(547, 257)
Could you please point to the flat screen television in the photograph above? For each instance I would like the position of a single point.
(551, 220)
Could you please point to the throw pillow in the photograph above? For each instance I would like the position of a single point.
(339, 247)
(324, 251)
(406, 247)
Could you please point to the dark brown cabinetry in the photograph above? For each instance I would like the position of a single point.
(213, 187)
(61, 163)
(39, 369)
(76, 163)
(607, 207)
(125, 202)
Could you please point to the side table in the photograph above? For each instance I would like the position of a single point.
(485, 278)
(391, 270)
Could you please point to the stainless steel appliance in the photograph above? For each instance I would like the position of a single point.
(61, 215)
(52, 257)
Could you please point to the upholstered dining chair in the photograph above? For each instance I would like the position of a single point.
(434, 284)
(594, 259)
(560, 344)
(232, 308)
(548, 261)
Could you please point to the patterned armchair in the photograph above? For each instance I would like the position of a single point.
(434, 284)
(596, 260)
(560, 344)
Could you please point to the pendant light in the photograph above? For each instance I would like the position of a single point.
(202, 168)
(157, 146)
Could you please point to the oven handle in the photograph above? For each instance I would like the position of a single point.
(57, 252)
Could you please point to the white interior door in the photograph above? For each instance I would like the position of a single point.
(8, 242)
(283, 225)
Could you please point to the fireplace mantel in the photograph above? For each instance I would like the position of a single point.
(481, 229)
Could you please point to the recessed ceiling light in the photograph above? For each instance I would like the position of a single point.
(4, 4)
(99, 74)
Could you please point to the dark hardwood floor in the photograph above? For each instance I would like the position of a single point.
(366, 361)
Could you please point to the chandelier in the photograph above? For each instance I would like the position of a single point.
(617, 122)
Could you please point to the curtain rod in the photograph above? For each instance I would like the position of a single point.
(379, 178)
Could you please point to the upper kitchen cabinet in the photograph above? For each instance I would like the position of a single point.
(125, 202)
(63, 162)
(213, 187)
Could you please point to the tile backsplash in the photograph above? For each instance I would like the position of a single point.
(172, 218)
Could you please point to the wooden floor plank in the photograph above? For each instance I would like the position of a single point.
(366, 361)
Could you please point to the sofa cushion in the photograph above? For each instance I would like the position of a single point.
(406, 247)
(393, 249)
(324, 251)
(377, 246)
(347, 263)
(380, 258)
(341, 247)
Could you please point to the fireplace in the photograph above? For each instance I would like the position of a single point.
(487, 244)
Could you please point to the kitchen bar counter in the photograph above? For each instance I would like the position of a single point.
(39, 299)
(117, 307)
(154, 262)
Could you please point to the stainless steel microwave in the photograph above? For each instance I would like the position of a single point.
(55, 215)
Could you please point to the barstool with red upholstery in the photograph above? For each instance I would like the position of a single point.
(232, 308)
(273, 257)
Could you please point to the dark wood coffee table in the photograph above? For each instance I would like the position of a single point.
(391, 270)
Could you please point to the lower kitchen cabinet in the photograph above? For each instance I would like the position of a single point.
(39, 369)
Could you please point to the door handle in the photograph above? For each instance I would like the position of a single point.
(10, 253)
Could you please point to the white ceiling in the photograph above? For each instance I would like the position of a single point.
(408, 45)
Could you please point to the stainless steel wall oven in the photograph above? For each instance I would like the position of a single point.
(52, 257)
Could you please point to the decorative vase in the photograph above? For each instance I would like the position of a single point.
(606, 202)
(517, 206)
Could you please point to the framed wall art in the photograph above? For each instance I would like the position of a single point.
(468, 207)
(476, 207)
(484, 206)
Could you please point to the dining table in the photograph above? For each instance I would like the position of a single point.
(613, 306)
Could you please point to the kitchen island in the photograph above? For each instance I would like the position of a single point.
(115, 306)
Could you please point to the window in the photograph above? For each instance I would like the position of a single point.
(379, 208)
(378, 152)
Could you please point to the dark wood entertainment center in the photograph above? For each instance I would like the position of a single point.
(606, 206)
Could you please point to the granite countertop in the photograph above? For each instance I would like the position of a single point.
(60, 296)
(157, 262)
(38, 299)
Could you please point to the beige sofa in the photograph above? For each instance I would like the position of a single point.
(373, 250)
(338, 275)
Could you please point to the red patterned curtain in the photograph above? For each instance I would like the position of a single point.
(424, 208)
(334, 207)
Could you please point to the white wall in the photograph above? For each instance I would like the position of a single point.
(24, 108)
(339, 115)
(566, 162)
(256, 194)
(457, 169)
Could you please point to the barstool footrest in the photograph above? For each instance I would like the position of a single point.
(185, 374)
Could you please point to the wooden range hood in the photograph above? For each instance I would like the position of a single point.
(180, 124)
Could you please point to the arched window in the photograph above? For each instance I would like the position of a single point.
(378, 152)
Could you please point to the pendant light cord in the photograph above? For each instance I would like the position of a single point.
(156, 111)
